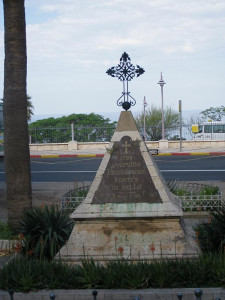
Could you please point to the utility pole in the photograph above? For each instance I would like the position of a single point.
(162, 83)
(144, 104)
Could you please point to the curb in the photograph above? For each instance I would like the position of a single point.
(191, 153)
(103, 294)
(102, 155)
(65, 155)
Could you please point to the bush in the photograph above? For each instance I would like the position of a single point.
(24, 274)
(211, 235)
(43, 231)
(5, 232)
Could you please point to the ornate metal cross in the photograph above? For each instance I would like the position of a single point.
(125, 71)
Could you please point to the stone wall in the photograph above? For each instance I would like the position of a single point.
(103, 145)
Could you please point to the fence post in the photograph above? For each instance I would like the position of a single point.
(94, 293)
(72, 131)
(198, 294)
(11, 292)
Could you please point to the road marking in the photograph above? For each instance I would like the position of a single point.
(59, 172)
(63, 171)
(96, 171)
(64, 161)
(192, 170)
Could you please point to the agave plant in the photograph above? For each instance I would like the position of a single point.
(211, 235)
(44, 230)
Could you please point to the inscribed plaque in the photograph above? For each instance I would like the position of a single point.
(126, 178)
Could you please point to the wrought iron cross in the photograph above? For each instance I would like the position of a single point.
(125, 71)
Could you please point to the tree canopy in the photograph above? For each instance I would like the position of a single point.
(78, 120)
(87, 128)
(153, 121)
(214, 113)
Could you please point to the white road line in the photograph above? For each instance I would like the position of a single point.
(59, 172)
(192, 170)
(164, 171)
(63, 171)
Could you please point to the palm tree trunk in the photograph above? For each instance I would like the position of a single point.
(16, 141)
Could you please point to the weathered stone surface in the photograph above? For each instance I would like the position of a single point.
(106, 197)
(133, 239)
(129, 211)
(126, 122)
(126, 178)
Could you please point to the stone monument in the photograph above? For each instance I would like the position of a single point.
(129, 211)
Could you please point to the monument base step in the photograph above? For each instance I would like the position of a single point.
(131, 239)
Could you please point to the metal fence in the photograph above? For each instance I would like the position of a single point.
(189, 202)
(201, 202)
(154, 133)
(73, 198)
(196, 196)
(194, 200)
(66, 133)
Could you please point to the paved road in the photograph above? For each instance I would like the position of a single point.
(198, 168)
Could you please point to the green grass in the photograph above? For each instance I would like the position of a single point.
(207, 190)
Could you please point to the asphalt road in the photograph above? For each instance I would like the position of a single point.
(197, 168)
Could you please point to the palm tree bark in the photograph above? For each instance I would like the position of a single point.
(16, 140)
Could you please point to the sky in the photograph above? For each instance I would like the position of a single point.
(71, 44)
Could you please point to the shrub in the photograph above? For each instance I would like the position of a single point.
(5, 231)
(24, 274)
(211, 235)
(43, 231)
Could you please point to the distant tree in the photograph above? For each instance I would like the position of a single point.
(214, 113)
(30, 108)
(87, 128)
(153, 121)
(195, 119)
(78, 120)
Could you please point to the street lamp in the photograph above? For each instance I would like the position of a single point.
(161, 83)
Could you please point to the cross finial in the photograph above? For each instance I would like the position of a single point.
(125, 71)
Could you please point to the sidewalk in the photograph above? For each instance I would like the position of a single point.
(100, 153)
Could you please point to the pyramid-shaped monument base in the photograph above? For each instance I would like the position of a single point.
(129, 211)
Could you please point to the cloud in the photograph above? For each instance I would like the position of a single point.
(86, 28)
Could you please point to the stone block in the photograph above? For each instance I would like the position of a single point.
(72, 145)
